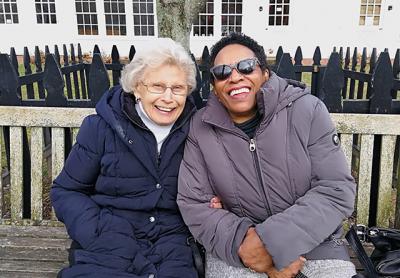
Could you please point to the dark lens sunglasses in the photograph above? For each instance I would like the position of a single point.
(246, 66)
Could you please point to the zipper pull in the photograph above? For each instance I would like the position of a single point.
(252, 145)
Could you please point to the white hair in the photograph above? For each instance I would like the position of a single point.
(166, 53)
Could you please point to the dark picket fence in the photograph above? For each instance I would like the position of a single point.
(346, 84)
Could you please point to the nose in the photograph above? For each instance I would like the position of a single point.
(236, 76)
(167, 96)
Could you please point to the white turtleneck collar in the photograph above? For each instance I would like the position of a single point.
(160, 131)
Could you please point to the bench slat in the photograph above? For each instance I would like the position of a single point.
(57, 154)
(16, 174)
(36, 173)
(364, 178)
(386, 208)
(347, 146)
(1, 174)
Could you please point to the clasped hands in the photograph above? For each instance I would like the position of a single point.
(256, 257)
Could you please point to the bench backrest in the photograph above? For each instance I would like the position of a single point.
(35, 118)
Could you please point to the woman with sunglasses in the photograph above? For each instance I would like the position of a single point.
(268, 150)
(117, 192)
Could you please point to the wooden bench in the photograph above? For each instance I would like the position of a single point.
(36, 247)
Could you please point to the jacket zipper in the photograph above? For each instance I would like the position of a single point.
(252, 148)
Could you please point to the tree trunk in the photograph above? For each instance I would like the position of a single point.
(175, 19)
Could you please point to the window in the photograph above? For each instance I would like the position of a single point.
(231, 16)
(45, 11)
(370, 12)
(86, 17)
(278, 12)
(143, 17)
(114, 11)
(203, 25)
(8, 12)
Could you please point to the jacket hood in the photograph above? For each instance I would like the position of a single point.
(109, 108)
(274, 95)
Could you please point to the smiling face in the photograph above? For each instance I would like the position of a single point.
(238, 92)
(165, 108)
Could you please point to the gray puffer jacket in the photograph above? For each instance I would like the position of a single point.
(291, 181)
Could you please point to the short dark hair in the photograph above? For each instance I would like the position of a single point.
(242, 39)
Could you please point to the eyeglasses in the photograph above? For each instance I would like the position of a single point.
(246, 66)
(159, 89)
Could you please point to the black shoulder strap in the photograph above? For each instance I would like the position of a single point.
(362, 256)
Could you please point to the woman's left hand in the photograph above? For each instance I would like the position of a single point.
(216, 203)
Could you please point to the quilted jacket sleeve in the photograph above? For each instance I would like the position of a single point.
(71, 189)
(319, 212)
(220, 231)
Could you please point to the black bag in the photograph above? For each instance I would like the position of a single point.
(199, 256)
(385, 259)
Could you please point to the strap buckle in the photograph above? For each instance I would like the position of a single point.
(362, 231)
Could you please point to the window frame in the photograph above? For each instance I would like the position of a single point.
(278, 13)
(369, 18)
(143, 15)
(235, 16)
(9, 15)
(41, 14)
(205, 21)
(89, 22)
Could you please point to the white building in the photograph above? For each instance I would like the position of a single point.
(290, 23)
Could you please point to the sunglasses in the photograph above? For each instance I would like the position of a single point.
(246, 66)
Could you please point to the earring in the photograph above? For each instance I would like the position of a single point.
(137, 98)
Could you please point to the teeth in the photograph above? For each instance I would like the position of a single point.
(165, 109)
(239, 91)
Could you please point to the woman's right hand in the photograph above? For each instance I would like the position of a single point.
(288, 272)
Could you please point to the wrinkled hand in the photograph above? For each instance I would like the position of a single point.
(253, 253)
(288, 272)
(216, 203)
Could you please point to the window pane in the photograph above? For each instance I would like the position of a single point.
(239, 8)
(122, 19)
(93, 18)
(79, 18)
(78, 7)
(46, 18)
(7, 8)
(224, 19)
(121, 7)
(39, 19)
(279, 9)
(278, 20)
(143, 20)
(239, 20)
(108, 30)
(1, 8)
(80, 30)
(151, 30)
(143, 8)
(231, 8)
(108, 19)
(271, 21)
(271, 10)
(286, 9)
(14, 8)
(53, 18)
(363, 9)
(135, 8)
(210, 31)
(144, 30)
(285, 20)
(150, 8)
(116, 30)
(376, 20)
(52, 8)
(150, 19)
(95, 30)
(115, 19)
(123, 30)
(137, 30)
(224, 8)
(93, 7)
(377, 10)
(45, 8)
(362, 20)
(114, 8)
(136, 20)
(370, 10)
(231, 20)
(86, 19)
(37, 6)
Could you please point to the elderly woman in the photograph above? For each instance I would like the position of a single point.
(117, 192)
(269, 151)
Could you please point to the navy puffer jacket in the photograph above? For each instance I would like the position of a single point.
(117, 196)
